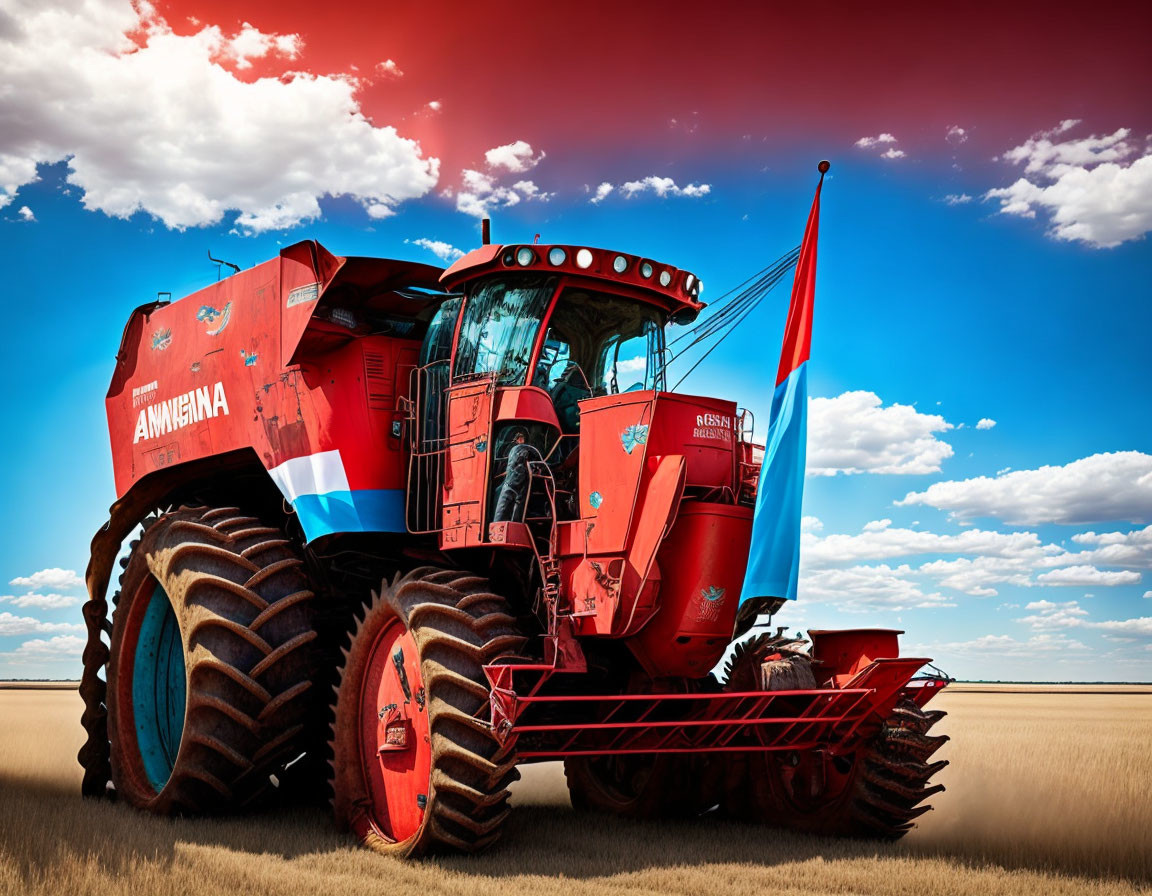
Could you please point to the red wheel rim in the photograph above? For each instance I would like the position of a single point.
(396, 779)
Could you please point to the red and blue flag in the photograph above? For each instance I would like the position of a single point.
(774, 556)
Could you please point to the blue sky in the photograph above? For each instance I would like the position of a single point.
(1020, 548)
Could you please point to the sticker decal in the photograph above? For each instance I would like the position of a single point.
(249, 359)
(161, 339)
(595, 499)
(144, 394)
(209, 314)
(711, 600)
(302, 294)
(636, 434)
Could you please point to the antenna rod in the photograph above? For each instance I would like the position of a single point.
(234, 267)
(486, 231)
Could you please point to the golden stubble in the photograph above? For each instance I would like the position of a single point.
(1048, 794)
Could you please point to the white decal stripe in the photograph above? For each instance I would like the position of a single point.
(313, 474)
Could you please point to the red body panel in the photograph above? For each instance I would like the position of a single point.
(209, 375)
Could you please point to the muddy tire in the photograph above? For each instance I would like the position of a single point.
(416, 768)
(211, 664)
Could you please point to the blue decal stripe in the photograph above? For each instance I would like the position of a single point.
(361, 510)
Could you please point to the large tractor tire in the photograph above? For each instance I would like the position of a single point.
(416, 767)
(876, 792)
(211, 664)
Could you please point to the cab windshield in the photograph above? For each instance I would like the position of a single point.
(599, 344)
(501, 320)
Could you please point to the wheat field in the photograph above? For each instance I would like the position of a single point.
(1049, 792)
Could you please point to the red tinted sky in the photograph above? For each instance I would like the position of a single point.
(592, 77)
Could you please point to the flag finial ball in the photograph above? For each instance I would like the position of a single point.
(824, 166)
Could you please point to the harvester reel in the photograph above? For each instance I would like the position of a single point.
(876, 792)
(416, 767)
(211, 665)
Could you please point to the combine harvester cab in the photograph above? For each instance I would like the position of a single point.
(469, 501)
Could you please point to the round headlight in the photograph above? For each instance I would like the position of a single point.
(689, 282)
(556, 255)
(584, 259)
(525, 256)
(645, 269)
(665, 278)
(509, 258)
(699, 287)
(620, 264)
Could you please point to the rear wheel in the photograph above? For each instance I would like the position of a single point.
(416, 767)
(211, 662)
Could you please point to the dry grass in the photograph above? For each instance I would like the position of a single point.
(1048, 794)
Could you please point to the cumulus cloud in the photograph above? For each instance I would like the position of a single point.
(162, 126)
(1007, 646)
(515, 157)
(892, 153)
(957, 199)
(1087, 575)
(854, 433)
(1148, 594)
(41, 601)
(62, 647)
(439, 248)
(389, 68)
(1091, 189)
(1111, 486)
(53, 577)
(435, 105)
(861, 589)
(1047, 615)
(602, 192)
(26, 625)
(662, 187)
(26, 214)
(985, 423)
(879, 140)
(956, 134)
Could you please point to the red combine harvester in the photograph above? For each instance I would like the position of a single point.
(537, 550)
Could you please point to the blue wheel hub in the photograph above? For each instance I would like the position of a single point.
(159, 689)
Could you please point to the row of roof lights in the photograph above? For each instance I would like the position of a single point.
(526, 257)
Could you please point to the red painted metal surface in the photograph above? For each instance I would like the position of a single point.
(253, 362)
(395, 746)
(549, 726)
(841, 655)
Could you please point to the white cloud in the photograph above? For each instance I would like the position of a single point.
(515, 157)
(1089, 192)
(985, 423)
(1048, 615)
(877, 525)
(53, 577)
(389, 68)
(41, 601)
(1087, 575)
(957, 199)
(1007, 646)
(439, 248)
(869, 142)
(164, 128)
(26, 625)
(62, 647)
(956, 134)
(1148, 594)
(602, 192)
(860, 589)
(26, 214)
(480, 193)
(435, 105)
(853, 433)
(1113, 486)
(251, 43)
(661, 186)
(893, 153)
(810, 524)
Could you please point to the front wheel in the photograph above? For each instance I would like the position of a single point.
(416, 767)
